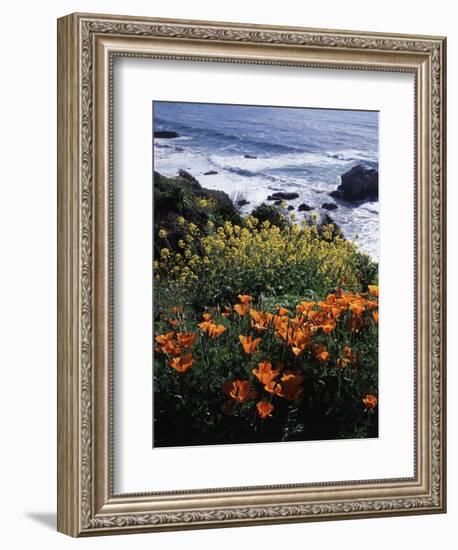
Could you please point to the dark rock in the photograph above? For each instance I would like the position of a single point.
(290, 207)
(166, 134)
(358, 184)
(210, 173)
(188, 178)
(304, 207)
(250, 156)
(283, 196)
(277, 203)
(242, 202)
(329, 206)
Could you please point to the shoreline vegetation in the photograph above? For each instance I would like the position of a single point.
(265, 325)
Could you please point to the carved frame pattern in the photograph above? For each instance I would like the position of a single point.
(78, 513)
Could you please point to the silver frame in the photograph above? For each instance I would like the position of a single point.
(87, 45)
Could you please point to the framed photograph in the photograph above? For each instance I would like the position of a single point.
(251, 290)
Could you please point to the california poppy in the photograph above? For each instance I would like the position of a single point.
(205, 325)
(176, 309)
(182, 363)
(283, 311)
(242, 309)
(249, 343)
(304, 307)
(301, 341)
(370, 401)
(207, 316)
(327, 326)
(321, 352)
(186, 339)
(164, 338)
(291, 385)
(375, 316)
(170, 348)
(274, 388)
(245, 298)
(216, 330)
(239, 390)
(373, 289)
(358, 308)
(264, 409)
(342, 362)
(212, 329)
(264, 373)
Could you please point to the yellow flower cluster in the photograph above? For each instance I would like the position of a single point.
(260, 251)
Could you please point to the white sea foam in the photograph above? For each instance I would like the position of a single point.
(251, 178)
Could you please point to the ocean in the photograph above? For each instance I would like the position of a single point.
(289, 149)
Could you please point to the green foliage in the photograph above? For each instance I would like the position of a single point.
(184, 196)
(270, 213)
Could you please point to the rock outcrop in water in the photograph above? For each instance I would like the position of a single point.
(358, 184)
(166, 134)
(282, 196)
(304, 207)
(329, 206)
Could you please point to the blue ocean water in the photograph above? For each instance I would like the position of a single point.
(289, 149)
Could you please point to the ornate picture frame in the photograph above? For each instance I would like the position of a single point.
(87, 46)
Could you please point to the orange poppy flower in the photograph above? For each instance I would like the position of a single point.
(342, 362)
(207, 316)
(239, 390)
(170, 348)
(186, 339)
(264, 409)
(249, 343)
(205, 325)
(176, 309)
(164, 338)
(216, 330)
(336, 312)
(245, 298)
(182, 363)
(274, 388)
(358, 308)
(304, 307)
(212, 329)
(264, 372)
(321, 352)
(283, 311)
(301, 341)
(291, 385)
(373, 289)
(372, 304)
(329, 326)
(375, 317)
(242, 309)
(370, 401)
